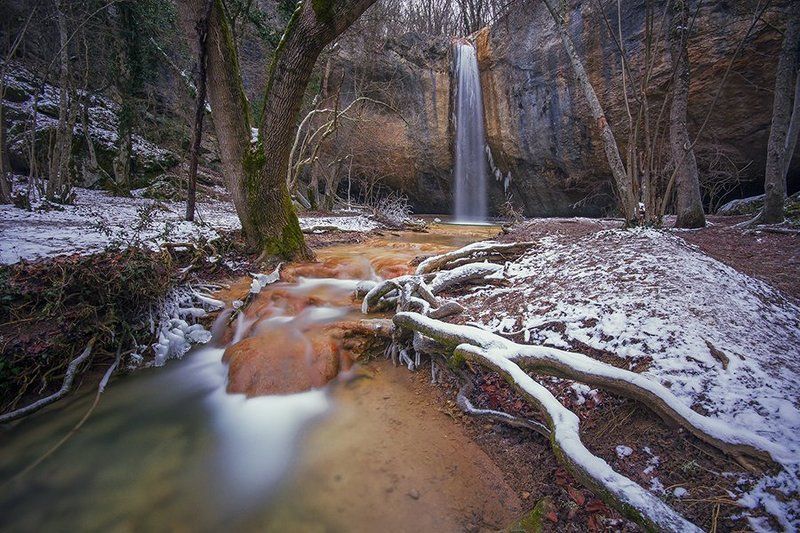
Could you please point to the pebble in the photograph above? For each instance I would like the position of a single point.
(414, 493)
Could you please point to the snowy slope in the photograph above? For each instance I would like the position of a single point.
(648, 295)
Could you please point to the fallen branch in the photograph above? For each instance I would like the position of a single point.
(101, 387)
(66, 386)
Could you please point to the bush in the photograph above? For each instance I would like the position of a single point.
(50, 309)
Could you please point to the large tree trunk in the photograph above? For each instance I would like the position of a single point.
(774, 176)
(622, 181)
(256, 176)
(689, 208)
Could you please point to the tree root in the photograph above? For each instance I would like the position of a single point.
(418, 331)
(66, 386)
(487, 251)
(412, 292)
(469, 409)
(467, 343)
(101, 387)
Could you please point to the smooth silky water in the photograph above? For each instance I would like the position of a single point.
(470, 173)
(170, 449)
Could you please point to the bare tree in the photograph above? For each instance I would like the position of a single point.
(778, 151)
(59, 183)
(622, 179)
(200, 108)
(257, 174)
(689, 204)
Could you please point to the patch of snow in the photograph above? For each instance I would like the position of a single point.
(623, 451)
(360, 223)
(97, 220)
(584, 392)
(650, 298)
(680, 492)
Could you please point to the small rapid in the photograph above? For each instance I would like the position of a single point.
(201, 444)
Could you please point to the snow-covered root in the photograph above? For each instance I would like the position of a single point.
(407, 293)
(592, 471)
(579, 367)
(483, 251)
(509, 359)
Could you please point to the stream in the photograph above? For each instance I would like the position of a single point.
(181, 448)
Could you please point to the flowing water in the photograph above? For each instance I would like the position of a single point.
(470, 174)
(173, 449)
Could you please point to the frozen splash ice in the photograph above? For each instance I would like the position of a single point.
(470, 173)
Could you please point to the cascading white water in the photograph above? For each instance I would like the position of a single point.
(470, 173)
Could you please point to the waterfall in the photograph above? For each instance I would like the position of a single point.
(470, 173)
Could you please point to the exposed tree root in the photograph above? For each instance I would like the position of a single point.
(508, 359)
(101, 387)
(490, 251)
(417, 331)
(466, 406)
(66, 386)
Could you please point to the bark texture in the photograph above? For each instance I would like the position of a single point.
(689, 203)
(200, 109)
(256, 174)
(774, 176)
(5, 165)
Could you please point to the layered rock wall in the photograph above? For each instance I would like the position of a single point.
(538, 124)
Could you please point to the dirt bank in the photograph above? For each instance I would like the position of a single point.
(391, 457)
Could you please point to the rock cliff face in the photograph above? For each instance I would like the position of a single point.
(404, 145)
(537, 121)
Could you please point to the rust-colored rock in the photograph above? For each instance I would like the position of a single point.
(282, 361)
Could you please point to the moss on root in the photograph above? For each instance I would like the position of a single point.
(533, 522)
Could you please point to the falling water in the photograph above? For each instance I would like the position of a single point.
(470, 170)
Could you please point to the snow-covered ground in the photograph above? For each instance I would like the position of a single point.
(354, 222)
(97, 220)
(721, 341)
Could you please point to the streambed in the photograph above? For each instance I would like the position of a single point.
(171, 449)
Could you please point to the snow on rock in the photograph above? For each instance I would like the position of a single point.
(358, 222)
(724, 343)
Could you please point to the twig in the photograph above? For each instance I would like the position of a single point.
(101, 387)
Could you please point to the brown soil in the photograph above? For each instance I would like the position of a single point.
(770, 257)
(393, 458)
